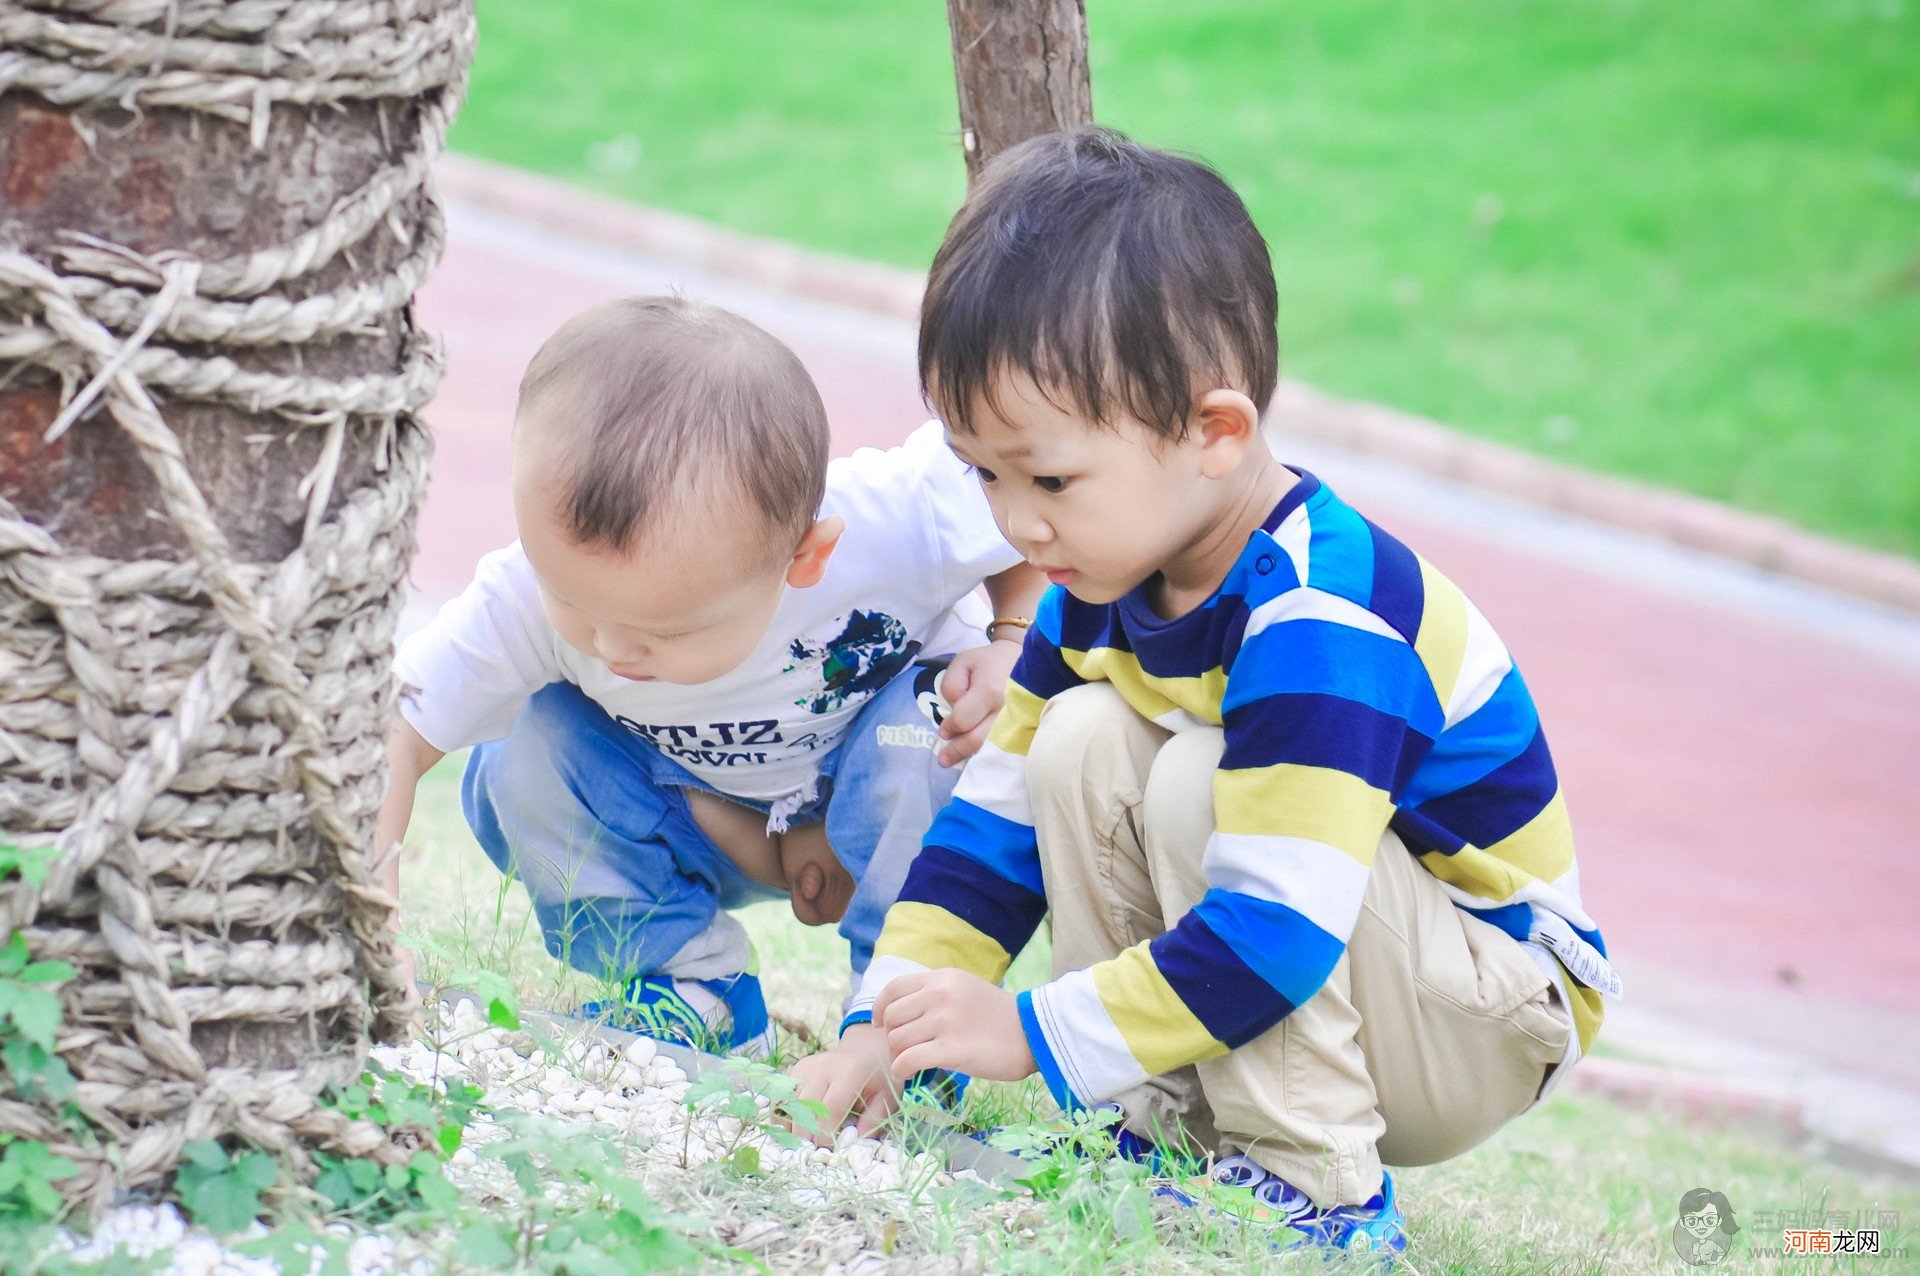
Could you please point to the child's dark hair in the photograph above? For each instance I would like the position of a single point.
(1125, 281)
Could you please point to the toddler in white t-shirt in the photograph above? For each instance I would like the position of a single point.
(700, 676)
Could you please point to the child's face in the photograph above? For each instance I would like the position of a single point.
(1099, 509)
(681, 615)
(675, 608)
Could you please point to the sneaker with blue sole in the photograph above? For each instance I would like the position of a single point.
(1245, 1192)
(716, 1016)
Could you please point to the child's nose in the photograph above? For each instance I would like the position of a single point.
(617, 650)
(1028, 528)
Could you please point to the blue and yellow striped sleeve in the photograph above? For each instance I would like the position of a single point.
(1326, 711)
(973, 897)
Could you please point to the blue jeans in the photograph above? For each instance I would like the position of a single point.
(594, 821)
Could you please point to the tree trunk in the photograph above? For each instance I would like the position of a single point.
(1021, 67)
(212, 221)
(173, 181)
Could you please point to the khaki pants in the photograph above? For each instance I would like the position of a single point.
(1433, 1031)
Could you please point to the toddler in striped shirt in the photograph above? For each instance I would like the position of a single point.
(1279, 783)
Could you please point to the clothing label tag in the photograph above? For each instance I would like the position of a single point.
(1582, 960)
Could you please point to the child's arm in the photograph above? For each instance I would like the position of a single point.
(976, 682)
(409, 757)
(1320, 717)
(464, 678)
(972, 898)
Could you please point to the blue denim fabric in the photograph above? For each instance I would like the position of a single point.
(594, 820)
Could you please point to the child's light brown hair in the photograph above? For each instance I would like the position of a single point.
(654, 398)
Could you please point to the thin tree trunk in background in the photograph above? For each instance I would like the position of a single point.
(1021, 68)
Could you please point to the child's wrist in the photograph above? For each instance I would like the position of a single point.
(1017, 624)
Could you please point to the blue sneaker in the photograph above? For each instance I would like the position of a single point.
(939, 1086)
(717, 1016)
(1246, 1192)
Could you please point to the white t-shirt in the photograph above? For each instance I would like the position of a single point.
(919, 539)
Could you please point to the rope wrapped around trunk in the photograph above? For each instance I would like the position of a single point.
(200, 735)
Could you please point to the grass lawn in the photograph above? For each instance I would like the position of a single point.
(1580, 1185)
(1675, 242)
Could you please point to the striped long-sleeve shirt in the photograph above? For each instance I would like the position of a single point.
(1358, 690)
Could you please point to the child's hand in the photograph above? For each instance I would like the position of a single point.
(975, 684)
(954, 1020)
(850, 1080)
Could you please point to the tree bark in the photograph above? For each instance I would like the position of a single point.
(174, 180)
(1021, 69)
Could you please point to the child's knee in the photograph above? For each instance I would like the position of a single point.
(1076, 725)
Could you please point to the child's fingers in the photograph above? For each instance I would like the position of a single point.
(967, 726)
(840, 1100)
(957, 680)
(953, 687)
(966, 746)
(966, 716)
(903, 1011)
(897, 988)
(928, 1054)
(911, 1034)
(878, 1107)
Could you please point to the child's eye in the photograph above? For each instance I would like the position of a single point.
(986, 476)
(1050, 484)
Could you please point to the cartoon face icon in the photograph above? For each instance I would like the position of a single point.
(926, 690)
(1704, 1227)
(1702, 1222)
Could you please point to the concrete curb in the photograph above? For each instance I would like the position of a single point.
(1691, 521)
(1700, 1098)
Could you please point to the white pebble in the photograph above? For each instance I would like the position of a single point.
(196, 1256)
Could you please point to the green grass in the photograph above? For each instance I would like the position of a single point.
(1581, 1185)
(1675, 242)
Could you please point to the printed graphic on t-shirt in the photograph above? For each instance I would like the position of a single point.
(869, 649)
(709, 744)
(832, 674)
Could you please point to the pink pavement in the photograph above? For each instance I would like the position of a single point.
(1745, 792)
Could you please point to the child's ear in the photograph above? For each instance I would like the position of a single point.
(1226, 424)
(816, 547)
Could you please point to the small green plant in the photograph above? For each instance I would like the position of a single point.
(29, 1022)
(220, 1190)
(29, 1008)
(581, 1214)
(1078, 1169)
(765, 1103)
(28, 1171)
(437, 1114)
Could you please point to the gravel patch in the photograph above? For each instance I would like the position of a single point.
(860, 1206)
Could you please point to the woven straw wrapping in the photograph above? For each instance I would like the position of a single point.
(203, 740)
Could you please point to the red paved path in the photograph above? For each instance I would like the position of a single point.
(1745, 794)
